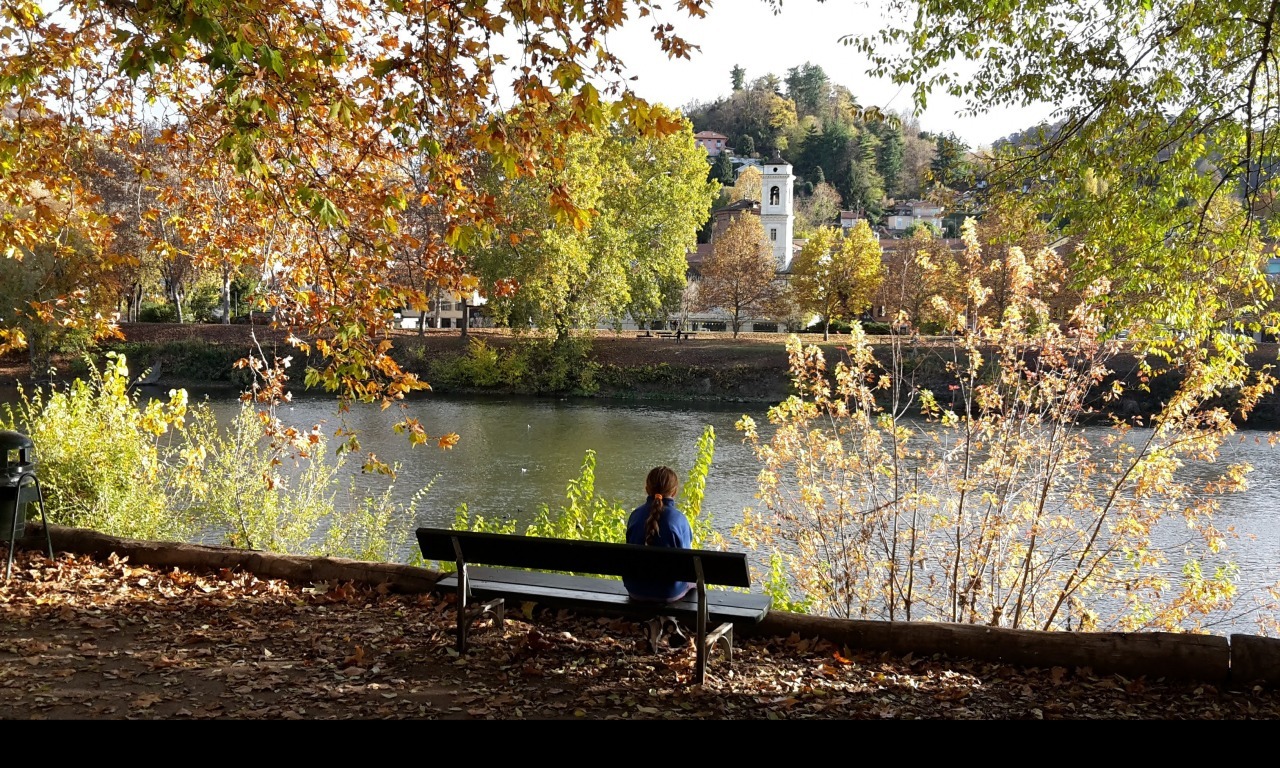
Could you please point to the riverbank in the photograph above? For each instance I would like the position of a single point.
(749, 368)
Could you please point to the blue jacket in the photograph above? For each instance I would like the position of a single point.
(673, 531)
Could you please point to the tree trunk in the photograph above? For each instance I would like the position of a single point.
(175, 295)
(226, 296)
(826, 327)
(466, 317)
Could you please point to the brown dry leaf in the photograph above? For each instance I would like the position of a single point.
(165, 662)
(355, 659)
(146, 701)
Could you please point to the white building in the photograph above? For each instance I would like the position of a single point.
(909, 212)
(444, 310)
(777, 209)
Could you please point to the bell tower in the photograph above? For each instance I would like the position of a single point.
(777, 213)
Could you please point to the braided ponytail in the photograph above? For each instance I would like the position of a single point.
(661, 484)
(651, 522)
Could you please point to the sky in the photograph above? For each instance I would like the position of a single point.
(747, 33)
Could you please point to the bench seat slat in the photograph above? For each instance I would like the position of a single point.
(586, 591)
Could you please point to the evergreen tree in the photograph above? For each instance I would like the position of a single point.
(722, 170)
(810, 88)
(739, 76)
(889, 155)
(863, 189)
(950, 165)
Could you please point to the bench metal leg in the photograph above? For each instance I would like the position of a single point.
(723, 636)
(700, 668)
(467, 615)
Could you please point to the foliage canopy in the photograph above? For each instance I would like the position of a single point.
(326, 122)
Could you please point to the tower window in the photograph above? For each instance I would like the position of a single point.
(773, 235)
(773, 195)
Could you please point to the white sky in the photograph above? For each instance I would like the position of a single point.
(746, 33)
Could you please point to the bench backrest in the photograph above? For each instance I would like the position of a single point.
(598, 557)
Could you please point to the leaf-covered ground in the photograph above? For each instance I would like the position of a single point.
(90, 639)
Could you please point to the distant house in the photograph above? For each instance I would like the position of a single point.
(848, 219)
(745, 162)
(713, 142)
(903, 215)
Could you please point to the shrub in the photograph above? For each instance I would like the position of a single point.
(205, 302)
(533, 366)
(167, 471)
(107, 462)
(151, 312)
(1001, 510)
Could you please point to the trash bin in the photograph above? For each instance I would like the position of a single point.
(20, 494)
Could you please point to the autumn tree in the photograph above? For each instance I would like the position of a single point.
(649, 197)
(835, 275)
(1010, 224)
(818, 209)
(1162, 105)
(924, 282)
(748, 185)
(917, 157)
(740, 277)
(315, 106)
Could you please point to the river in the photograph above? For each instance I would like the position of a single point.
(515, 454)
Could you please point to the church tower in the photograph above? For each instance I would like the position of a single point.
(776, 210)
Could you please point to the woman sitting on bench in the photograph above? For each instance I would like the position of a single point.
(659, 523)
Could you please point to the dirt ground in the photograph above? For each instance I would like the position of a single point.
(102, 639)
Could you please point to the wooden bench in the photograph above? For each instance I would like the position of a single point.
(482, 591)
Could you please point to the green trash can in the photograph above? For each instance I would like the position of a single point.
(20, 495)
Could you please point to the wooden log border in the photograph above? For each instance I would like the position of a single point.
(1239, 661)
